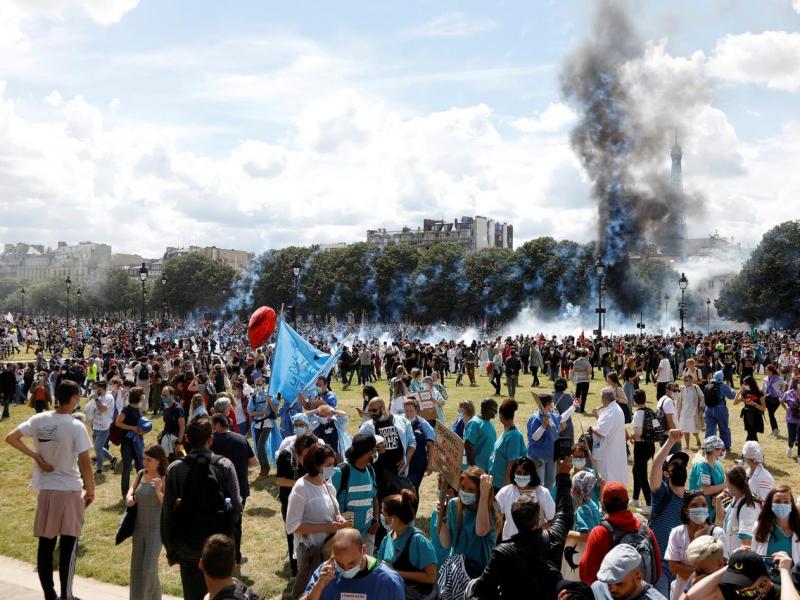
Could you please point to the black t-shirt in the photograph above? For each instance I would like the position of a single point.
(513, 365)
(394, 448)
(288, 466)
(132, 415)
(329, 433)
(171, 416)
(236, 449)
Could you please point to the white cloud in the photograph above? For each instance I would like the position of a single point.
(554, 118)
(796, 5)
(770, 59)
(455, 24)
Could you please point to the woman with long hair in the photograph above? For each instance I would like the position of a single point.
(524, 480)
(790, 400)
(405, 548)
(631, 378)
(695, 519)
(778, 526)
(737, 509)
(754, 406)
(467, 523)
(147, 493)
(619, 394)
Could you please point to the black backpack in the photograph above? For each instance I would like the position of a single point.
(203, 510)
(639, 539)
(144, 372)
(652, 428)
(711, 394)
(662, 419)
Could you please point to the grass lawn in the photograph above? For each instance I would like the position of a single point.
(264, 540)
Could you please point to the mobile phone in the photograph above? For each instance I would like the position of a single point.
(562, 448)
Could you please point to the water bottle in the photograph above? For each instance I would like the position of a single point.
(228, 505)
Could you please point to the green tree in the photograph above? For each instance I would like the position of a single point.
(487, 294)
(196, 282)
(393, 267)
(768, 285)
(439, 283)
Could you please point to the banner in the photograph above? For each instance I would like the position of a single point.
(296, 363)
(449, 453)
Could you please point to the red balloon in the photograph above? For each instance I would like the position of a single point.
(261, 326)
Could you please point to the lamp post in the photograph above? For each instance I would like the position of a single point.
(78, 307)
(68, 284)
(599, 269)
(143, 278)
(163, 296)
(708, 315)
(666, 304)
(683, 283)
(296, 266)
(22, 292)
(640, 325)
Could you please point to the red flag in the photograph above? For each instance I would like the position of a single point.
(582, 337)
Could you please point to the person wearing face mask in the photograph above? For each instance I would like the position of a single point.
(778, 526)
(312, 513)
(356, 487)
(759, 479)
(543, 430)
(528, 565)
(666, 411)
(422, 462)
(525, 482)
(508, 448)
(582, 461)
(351, 573)
(737, 509)
(466, 410)
(754, 407)
(608, 436)
(263, 411)
(405, 548)
(695, 519)
(708, 474)
(328, 424)
(289, 468)
(324, 395)
(790, 400)
(667, 483)
(467, 523)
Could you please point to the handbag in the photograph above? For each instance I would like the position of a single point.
(453, 578)
(128, 520)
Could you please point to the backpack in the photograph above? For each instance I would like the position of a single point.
(144, 374)
(203, 510)
(662, 419)
(344, 482)
(640, 540)
(211, 393)
(652, 427)
(711, 394)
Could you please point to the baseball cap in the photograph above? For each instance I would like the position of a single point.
(615, 489)
(680, 455)
(621, 560)
(379, 439)
(744, 568)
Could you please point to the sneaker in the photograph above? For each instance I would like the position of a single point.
(98, 472)
(634, 503)
(113, 464)
(775, 432)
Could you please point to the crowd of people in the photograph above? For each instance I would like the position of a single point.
(541, 508)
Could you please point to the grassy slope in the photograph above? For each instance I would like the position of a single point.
(264, 542)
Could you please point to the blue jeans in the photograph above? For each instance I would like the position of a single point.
(129, 454)
(666, 579)
(718, 416)
(100, 438)
(547, 473)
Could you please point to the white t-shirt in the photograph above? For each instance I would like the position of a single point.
(59, 439)
(664, 371)
(760, 482)
(740, 527)
(507, 496)
(676, 550)
(311, 504)
(668, 406)
(102, 420)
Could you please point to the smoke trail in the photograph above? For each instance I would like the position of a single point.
(619, 150)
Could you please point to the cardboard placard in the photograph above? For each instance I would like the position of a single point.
(449, 453)
(574, 547)
(427, 407)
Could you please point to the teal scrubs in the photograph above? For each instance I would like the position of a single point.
(482, 436)
(476, 550)
(508, 448)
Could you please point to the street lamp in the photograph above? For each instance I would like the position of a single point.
(296, 266)
(599, 269)
(666, 304)
(163, 296)
(78, 294)
(683, 283)
(708, 314)
(143, 278)
(68, 284)
(641, 325)
(22, 291)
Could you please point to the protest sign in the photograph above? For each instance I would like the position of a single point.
(449, 453)
(427, 407)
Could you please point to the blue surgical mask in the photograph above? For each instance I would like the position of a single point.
(327, 473)
(350, 573)
(782, 510)
(579, 463)
(300, 429)
(467, 498)
(522, 480)
(166, 400)
(384, 524)
(698, 515)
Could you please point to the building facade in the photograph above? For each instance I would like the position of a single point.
(34, 262)
(238, 259)
(473, 233)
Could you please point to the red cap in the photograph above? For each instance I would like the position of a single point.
(615, 489)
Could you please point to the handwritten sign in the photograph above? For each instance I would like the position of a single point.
(427, 407)
(449, 452)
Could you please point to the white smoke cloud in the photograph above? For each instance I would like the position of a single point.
(770, 59)
(796, 6)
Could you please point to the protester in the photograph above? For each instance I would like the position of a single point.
(422, 461)
(737, 509)
(357, 489)
(351, 573)
(147, 494)
(508, 448)
(132, 446)
(328, 424)
(101, 426)
(621, 577)
(754, 407)
(759, 478)
(716, 413)
(790, 400)
(708, 474)
(264, 412)
(773, 388)
(543, 431)
(608, 436)
(218, 563)
(525, 482)
(466, 410)
(39, 396)
(562, 401)
(581, 374)
(195, 508)
(646, 431)
(172, 436)
(587, 512)
(480, 436)
(778, 525)
(706, 554)
(528, 564)
(689, 409)
(405, 548)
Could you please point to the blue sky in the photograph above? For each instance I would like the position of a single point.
(257, 124)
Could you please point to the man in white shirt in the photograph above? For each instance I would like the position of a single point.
(667, 405)
(63, 469)
(101, 425)
(663, 374)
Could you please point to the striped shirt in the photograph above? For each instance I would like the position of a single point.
(667, 509)
(359, 496)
